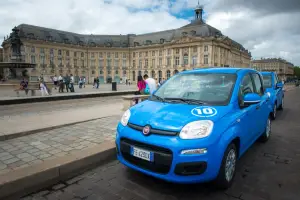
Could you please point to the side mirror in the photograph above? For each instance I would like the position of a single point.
(279, 85)
(251, 98)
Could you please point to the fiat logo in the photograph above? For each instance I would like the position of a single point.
(146, 130)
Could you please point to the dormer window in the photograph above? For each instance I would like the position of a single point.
(136, 44)
(193, 33)
(49, 38)
(66, 40)
(108, 44)
(148, 42)
(184, 33)
(162, 40)
(80, 43)
(125, 44)
(30, 35)
(93, 44)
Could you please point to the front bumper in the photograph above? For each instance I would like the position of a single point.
(168, 162)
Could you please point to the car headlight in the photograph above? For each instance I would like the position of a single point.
(197, 129)
(125, 118)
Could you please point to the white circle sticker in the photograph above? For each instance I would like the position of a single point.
(204, 111)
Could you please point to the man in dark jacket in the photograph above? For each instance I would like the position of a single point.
(67, 82)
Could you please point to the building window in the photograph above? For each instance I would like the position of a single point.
(116, 72)
(205, 59)
(124, 72)
(194, 60)
(116, 55)
(42, 59)
(140, 73)
(42, 50)
(169, 51)
(124, 63)
(177, 51)
(146, 53)
(82, 54)
(205, 48)
(101, 72)
(168, 61)
(109, 63)
(195, 50)
(133, 54)
(67, 53)
(108, 55)
(160, 53)
(32, 50)
(75, 54)
(140, 54)
(177, 60)
(100, 55)
(140, 64)
(168, 74)
(146, 62)
(108, 72)
(59, 61)
(59, 52)
(160, 61)
(93, 55)
(133, 75)
(133, 63)
(116, 63)
(153, 62)
(124, 55)
(101, 64)
(153, 53)
(186, 59)
(153, 74)
(33, 59)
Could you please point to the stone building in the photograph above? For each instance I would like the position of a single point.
(115, 57)
(1, 60)
(283, 68)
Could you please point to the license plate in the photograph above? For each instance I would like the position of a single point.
(142, 154)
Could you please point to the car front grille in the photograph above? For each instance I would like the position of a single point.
(153, 131)
(162, 156)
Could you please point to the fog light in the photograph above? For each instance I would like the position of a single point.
(194, 151)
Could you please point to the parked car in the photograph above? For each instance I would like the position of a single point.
(196, 135)
(275, 87)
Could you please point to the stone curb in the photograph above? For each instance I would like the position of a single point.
(20, 100)
(24, 133)
(24, 181)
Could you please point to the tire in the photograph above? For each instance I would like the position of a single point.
(267, 133)
(274, 113)
(282, 104)
(221, 182)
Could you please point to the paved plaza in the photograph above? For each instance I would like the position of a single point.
(266, 172)
(8, 92)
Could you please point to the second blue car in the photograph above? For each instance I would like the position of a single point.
(275, 88)
(196, 126)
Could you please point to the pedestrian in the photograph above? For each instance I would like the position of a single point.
(97, 82)
(72, 80)
(55, 81)
(43, 88)
(151, 83)
(61, 84)
(141, 86)
(67, 82)
(83, 81)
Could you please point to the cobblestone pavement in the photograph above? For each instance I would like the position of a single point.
(266, 172)
(32, 149)
(89, 88)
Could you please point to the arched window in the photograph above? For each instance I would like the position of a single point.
(159, 76)
(146, 72)
(67, 53)
(116, 72)
(153, 74)
(175, 72)
(185, 59)
(168, 74)
(82, 54)
(101, 72)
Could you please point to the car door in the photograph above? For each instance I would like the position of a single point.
(248, 113)
(262, 109)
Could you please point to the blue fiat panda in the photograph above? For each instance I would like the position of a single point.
(196, 126)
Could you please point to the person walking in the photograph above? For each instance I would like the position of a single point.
(141, 86)
(61, 84)
(67, 82)
(97, 82)
(72, 80)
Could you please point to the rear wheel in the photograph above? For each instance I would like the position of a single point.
(228, 168)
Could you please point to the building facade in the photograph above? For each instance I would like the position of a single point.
(283, 68)
(115, 57)
(1, 60)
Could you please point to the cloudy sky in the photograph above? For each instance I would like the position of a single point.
(268, 28)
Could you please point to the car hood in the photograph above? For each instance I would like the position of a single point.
(173, 116)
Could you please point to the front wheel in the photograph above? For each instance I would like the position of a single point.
(282, 104)
(266, 135)
(274, 113)
(228, 168)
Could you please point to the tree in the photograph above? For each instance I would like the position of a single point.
(297, 71)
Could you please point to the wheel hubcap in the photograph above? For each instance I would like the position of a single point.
(268, 128)
(230, 165)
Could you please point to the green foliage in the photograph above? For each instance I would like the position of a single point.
(297, 71)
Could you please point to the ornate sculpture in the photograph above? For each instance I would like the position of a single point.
(15, 42)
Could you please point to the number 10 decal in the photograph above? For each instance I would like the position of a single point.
(204, 111)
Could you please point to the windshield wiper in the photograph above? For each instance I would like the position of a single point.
(189, 101)
(159, 98)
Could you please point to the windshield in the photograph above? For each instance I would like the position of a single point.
(267, 79)
(205, 88)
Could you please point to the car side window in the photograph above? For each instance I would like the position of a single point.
(246, 86)
(258, 86)
(276, 79)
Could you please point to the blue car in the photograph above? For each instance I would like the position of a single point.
(275, 88)
(196, 126)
